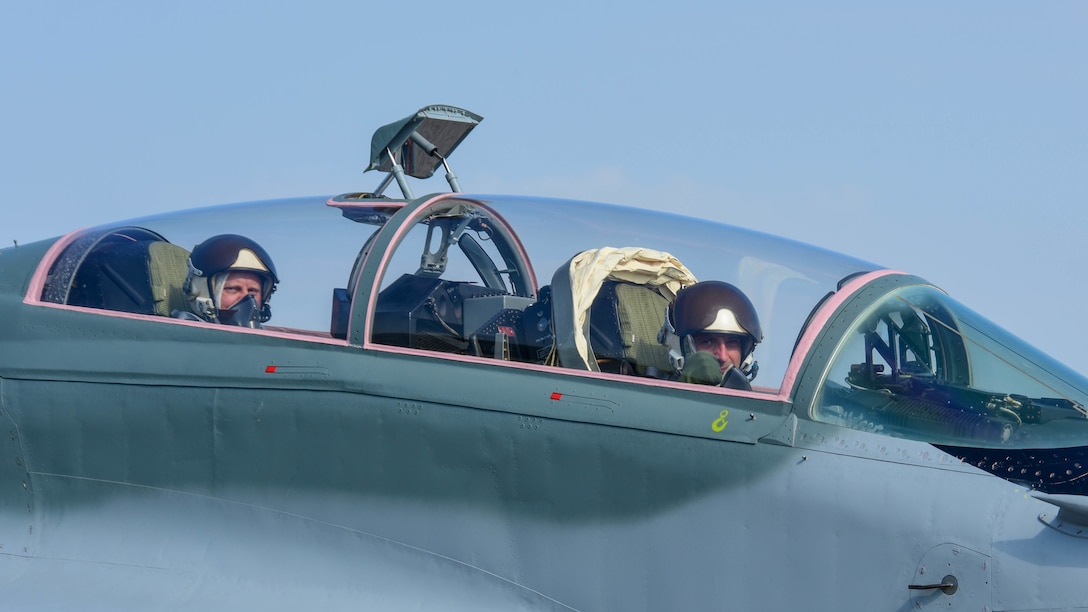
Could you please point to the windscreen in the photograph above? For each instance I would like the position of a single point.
(918, 364)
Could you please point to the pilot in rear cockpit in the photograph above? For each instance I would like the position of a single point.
(718, 331)
(230, 281)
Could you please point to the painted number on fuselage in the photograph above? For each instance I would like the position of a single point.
(719, 424)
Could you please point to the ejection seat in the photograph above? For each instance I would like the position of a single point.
(128, 269)
(608, 309)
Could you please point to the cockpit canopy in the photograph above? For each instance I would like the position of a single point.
(499, 253)
(494, 278)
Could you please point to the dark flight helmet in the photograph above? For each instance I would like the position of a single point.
(716, 307)
(214, 259)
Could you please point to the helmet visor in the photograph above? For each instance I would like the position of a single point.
(229, 252)
(699, 307)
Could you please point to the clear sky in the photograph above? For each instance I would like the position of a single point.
(945, 139)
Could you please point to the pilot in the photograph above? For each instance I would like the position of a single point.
(718, 330)
(230, 281)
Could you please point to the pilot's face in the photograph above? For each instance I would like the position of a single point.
(237, 286)
(726, 349)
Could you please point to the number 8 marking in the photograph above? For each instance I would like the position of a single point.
(720, 423)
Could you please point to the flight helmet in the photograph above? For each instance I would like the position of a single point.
(212, 261)
(716, 307)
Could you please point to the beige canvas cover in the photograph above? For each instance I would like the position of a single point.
(581, 278)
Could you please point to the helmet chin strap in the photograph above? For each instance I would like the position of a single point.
(750, 367)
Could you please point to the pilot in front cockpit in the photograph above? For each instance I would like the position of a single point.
(230, 281)
(718, 330)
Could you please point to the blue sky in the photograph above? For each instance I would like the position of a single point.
(945, 139)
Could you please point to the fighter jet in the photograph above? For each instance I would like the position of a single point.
(461, 401)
